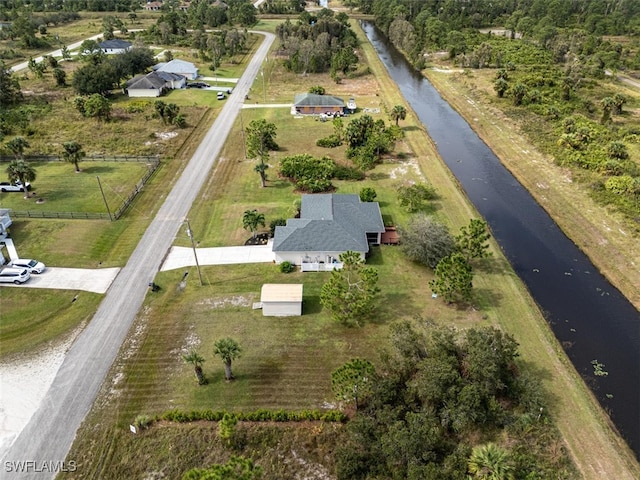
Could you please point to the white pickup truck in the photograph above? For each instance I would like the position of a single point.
(13, 187)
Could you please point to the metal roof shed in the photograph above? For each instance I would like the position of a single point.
(281, 299)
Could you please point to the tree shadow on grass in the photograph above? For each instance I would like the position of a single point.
(485, 298)
(279, 183)
(378, 176)
(391, 306)
(311, 304)
(96, 169)
(492, 265)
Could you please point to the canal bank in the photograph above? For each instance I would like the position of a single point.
(573, 406)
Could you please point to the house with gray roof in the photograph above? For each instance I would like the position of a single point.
(115, 46)
(329, 224)
(313, 104)
(154, 84)
(181, 67)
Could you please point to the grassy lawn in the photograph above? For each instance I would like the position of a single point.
(25, 323)
(287, 362)
(59, 189)
(31, 318)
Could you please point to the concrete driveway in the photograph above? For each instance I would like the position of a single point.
(90, 280)
(179, 257)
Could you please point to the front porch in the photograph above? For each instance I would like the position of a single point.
(320, 266)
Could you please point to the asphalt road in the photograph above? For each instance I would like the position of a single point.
(51, 431)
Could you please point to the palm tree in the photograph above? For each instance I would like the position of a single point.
(490, 462)
(73, 153)
(398, 113)
(195, 359)
(261, 168)
(618, 101)
(228, 350)
(21, 171)
(608, 105)
(17, 146)
(251, 220)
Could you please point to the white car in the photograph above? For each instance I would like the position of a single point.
(33, 266)
(14, 275)
(13, 187)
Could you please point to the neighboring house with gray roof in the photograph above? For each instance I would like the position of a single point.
(154, 84)
(115, 46)
(313, 104)
(329, 224)
(187, 69)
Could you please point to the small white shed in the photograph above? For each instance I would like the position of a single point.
(281, 299)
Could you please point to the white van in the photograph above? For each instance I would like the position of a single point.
(14, 275)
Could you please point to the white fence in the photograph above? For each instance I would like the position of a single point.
(319, 267)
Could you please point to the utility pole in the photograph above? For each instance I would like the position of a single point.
(105, 199)
(244, 140)
(264, 90)
(193, 246)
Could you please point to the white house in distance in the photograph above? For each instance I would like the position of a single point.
(115, 46)
(154, 84)
(187, 69)
(281, 299)
(329, 224)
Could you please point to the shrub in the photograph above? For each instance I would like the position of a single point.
(287, 267)
(260, 415)
(331, 141)
(278, 222)
(142, 422)
(344, 172)
(317, 89)
(368, 194)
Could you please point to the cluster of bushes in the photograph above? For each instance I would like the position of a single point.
(314, 175)
(260, 415)
(436, 393)
(331, 141)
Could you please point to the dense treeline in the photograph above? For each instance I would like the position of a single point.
(317, 43)
(72, 5)
(604, 17)
(441, 405)
(552, 66)
(422, 26)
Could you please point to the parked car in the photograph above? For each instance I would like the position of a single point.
(221, 96)
(13, 187)
(33, 266)
(14, 275)
(198, 85)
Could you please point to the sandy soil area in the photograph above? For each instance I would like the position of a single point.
(24, 381)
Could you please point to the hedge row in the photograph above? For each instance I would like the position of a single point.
(261, 415)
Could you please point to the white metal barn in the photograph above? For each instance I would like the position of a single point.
(281, 299)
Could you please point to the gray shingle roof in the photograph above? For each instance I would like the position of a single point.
(314, 100)
(152, 80)
(331, 223)
(115, 43)
(178, 66)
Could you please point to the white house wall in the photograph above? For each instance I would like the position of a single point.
(151, 92)
(281, 309)
(296, 258)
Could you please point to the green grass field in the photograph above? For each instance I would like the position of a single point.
(287, 362)
(58, 188)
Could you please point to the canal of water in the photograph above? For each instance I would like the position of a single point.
(590, 318)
